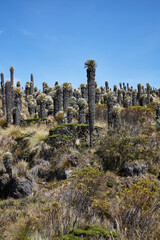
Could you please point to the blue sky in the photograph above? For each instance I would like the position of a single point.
(53, 38)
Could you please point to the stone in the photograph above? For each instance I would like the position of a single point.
(133, 169)
(20, 188)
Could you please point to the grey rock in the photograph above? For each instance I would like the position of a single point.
(68, 173)
(134, 169)
(21, 188)
(64, 174)
(42, 163)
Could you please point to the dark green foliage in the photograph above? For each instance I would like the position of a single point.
(29, 121)
(91, 232)
(20, 138)
(67, 133)
(116, 149)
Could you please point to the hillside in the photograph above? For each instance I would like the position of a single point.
(61, 179)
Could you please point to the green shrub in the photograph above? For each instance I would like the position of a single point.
(89, 232)
(136, 118)
(139, 209)
(90, 190)
(116, 149)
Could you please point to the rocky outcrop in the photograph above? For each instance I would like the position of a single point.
(20, 188)
(133, 169)
(15, 187)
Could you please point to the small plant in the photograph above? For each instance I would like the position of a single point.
(22, 168)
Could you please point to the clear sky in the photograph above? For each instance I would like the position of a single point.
(53, 38)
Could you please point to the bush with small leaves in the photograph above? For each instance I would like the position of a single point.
(116, 149)
(89, 190)
(139, 209)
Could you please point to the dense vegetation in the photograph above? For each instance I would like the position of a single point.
(79, 164)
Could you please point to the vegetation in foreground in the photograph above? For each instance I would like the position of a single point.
(111, 191)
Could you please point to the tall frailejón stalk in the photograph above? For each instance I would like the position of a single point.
(12, 74)
(8, 100)
(3, 94)
(91, 67)
(32, 85)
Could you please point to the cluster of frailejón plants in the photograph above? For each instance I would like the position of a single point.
(66, 104)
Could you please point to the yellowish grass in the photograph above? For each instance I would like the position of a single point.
(40, 133)
(22, 169)
(11, 131)
(7, 136)
(103, 125)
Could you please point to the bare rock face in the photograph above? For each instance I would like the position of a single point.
(21, 188)
(133, 169)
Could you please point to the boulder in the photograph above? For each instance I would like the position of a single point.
(20, 188)
(40, 168)
(64, 174)
(133, 169)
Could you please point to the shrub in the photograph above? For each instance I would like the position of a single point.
(139, 209)
(3, 122)
(91, 232)
(22, 168)
(116, 149)
(135, 118)
(89, 191)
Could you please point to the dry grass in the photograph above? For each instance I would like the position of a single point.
(37, 134)
(11, 131)
(7, 138)
(101, 124)
(40, 132)
(21, 169)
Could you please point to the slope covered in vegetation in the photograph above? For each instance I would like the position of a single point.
(63, 176)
